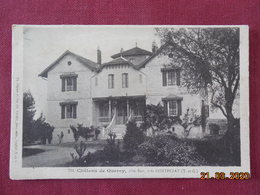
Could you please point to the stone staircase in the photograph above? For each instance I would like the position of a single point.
(119, 130)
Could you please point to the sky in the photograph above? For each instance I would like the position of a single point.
(44, 44)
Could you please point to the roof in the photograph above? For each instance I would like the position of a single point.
(132, 52)
(172, 97)
(88, 63)
(117, 61)
(141, 65)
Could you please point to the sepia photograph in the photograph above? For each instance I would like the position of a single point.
(130, 96)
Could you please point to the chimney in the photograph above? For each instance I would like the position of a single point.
(99, 57)
(121, 51)
(154, 47)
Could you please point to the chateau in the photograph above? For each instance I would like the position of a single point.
(107, 95)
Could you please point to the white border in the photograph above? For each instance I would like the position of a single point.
(17, 172)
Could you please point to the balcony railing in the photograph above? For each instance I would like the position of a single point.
(138, 118)
(120, 120)
(104, 119)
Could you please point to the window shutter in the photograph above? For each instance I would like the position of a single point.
(165, 107)
(112, 81)
(164, 78)
(123, 80)
(74, 107)
(62, 84)
(75, 84)
(126, 80)
(63, 111)
(179, 107)
(178, 72)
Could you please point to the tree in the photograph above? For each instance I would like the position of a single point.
(37, 129)
(133, 137)
(28, 115)
(42, 130)
(210, 61)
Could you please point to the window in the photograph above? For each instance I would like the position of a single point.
(170, 77)
(103, 109)
(69, 83)
(138, 109)
(68, 110)
(131, 60)
(125, 80)
(69, 63)
(172, 108)
(110, 81)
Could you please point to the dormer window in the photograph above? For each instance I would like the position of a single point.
(69, 82)
(131, 60)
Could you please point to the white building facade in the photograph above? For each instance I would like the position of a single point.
(107, 95)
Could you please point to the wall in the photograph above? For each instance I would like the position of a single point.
(134, 86)
(82, 96)
(156, 91)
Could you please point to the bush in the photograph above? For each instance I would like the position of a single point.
(81, 131)
(214, 128)
(80, 159)
(34, 130)
(133, 137)
(109, 156)
(111, 152)
(168, 150)
(216, 152)
(41, 130)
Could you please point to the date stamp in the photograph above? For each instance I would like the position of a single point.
(223, 176)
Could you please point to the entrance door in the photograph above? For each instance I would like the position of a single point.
(121, 117)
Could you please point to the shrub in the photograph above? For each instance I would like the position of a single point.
(133, 137)
(34, 130)
(214, 128)
(157, 119)
(80, 159)
(81, 131)
(111, 152)
(97, 132)
(168, 150)
(28, 115)
(41, 130)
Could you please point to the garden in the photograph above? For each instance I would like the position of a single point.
(162, 148)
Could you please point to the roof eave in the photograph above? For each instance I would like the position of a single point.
(44, 73)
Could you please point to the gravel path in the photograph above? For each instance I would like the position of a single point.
(54, 156)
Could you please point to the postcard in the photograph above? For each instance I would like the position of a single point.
(130, 101)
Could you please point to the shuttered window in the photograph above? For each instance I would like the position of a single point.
(170, 77)
(68, 111)
(173, 107)
(69, 83)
